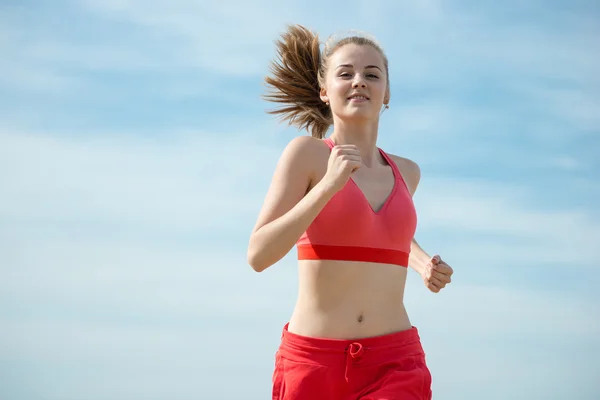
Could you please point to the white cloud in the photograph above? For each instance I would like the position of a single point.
(478, 338)
(36, 79)
(535, 51)
(180, 184)
(248, 26)
(430, 45)
(436, 118)
(508, 212)
(567, 163)
(578, 107)
(86, 360)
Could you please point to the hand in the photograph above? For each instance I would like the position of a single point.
(343, 161)
(437, 274)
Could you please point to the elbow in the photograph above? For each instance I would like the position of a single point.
(261, 255)
(254, 260)
(255, 264)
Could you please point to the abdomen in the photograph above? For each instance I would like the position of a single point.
(341, 299)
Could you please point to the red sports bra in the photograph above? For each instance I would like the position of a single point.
(348, 229)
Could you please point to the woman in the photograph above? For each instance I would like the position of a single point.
(347, 206)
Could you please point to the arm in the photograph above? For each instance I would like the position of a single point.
(435, 272)
(411, 173)
(418, 260)
(288, 210)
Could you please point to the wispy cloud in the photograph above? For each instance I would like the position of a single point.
(577, 108)
(567, 163)
(130, 180)
(504, 211)
(250, 27)
(502, 322)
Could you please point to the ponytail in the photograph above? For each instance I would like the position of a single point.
(295, 82)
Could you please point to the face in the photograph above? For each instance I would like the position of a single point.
(356, 70)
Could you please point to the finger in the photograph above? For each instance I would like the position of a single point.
(437, 282)
(441, 277)
(436, 259)
(349, 154)
(352, 157)
(346, 148)
(443, 268)
(432, 287)
(353, 165)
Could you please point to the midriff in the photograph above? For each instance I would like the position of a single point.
(349, 300)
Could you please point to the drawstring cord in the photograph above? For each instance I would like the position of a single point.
(354, 351)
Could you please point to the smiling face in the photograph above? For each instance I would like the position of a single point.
(356, 82)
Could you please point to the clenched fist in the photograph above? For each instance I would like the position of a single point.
(437, 274)
(343, 161)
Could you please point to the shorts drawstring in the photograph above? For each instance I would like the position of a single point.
(355, 350)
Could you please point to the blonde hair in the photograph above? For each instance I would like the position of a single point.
(298, 74)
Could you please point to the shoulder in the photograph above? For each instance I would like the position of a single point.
(305, 146)
(302, 154)
(410, 171)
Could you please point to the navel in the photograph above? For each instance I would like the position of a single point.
(360, 318)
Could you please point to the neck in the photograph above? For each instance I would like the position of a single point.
(362, 135)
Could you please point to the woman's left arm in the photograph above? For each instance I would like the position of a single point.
(435, 272)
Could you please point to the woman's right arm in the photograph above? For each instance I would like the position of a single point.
(288, 210)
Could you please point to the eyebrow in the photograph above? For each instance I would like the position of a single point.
(352, 66)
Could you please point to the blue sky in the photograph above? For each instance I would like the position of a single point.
(135, 153)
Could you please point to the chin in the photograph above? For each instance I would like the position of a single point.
(359, 115)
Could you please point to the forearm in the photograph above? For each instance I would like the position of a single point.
(418, 259)
(274, 240)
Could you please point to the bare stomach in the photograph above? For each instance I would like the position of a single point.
(349, 300)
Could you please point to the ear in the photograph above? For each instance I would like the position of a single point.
(323, 95)
(386, 98)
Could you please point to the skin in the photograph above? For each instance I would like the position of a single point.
(342, 299)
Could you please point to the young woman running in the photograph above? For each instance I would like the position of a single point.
(347, 206)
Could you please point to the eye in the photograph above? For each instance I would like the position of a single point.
(348, 75)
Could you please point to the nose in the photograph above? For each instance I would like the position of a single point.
(358, 81)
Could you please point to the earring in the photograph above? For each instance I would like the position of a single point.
(387, 106)
(327, 103)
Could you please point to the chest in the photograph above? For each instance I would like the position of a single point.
(372, 187)
(376, 186)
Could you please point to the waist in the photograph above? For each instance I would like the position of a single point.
(308, 251)
(349, 299)
(347, 323)
(373, 349)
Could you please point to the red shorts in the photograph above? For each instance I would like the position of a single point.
(388, 367)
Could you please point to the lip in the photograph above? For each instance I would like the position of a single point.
(366, 98)
(355, 100)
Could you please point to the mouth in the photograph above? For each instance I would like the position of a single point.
(358, 97)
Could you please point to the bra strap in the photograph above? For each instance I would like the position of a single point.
(329, 142)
